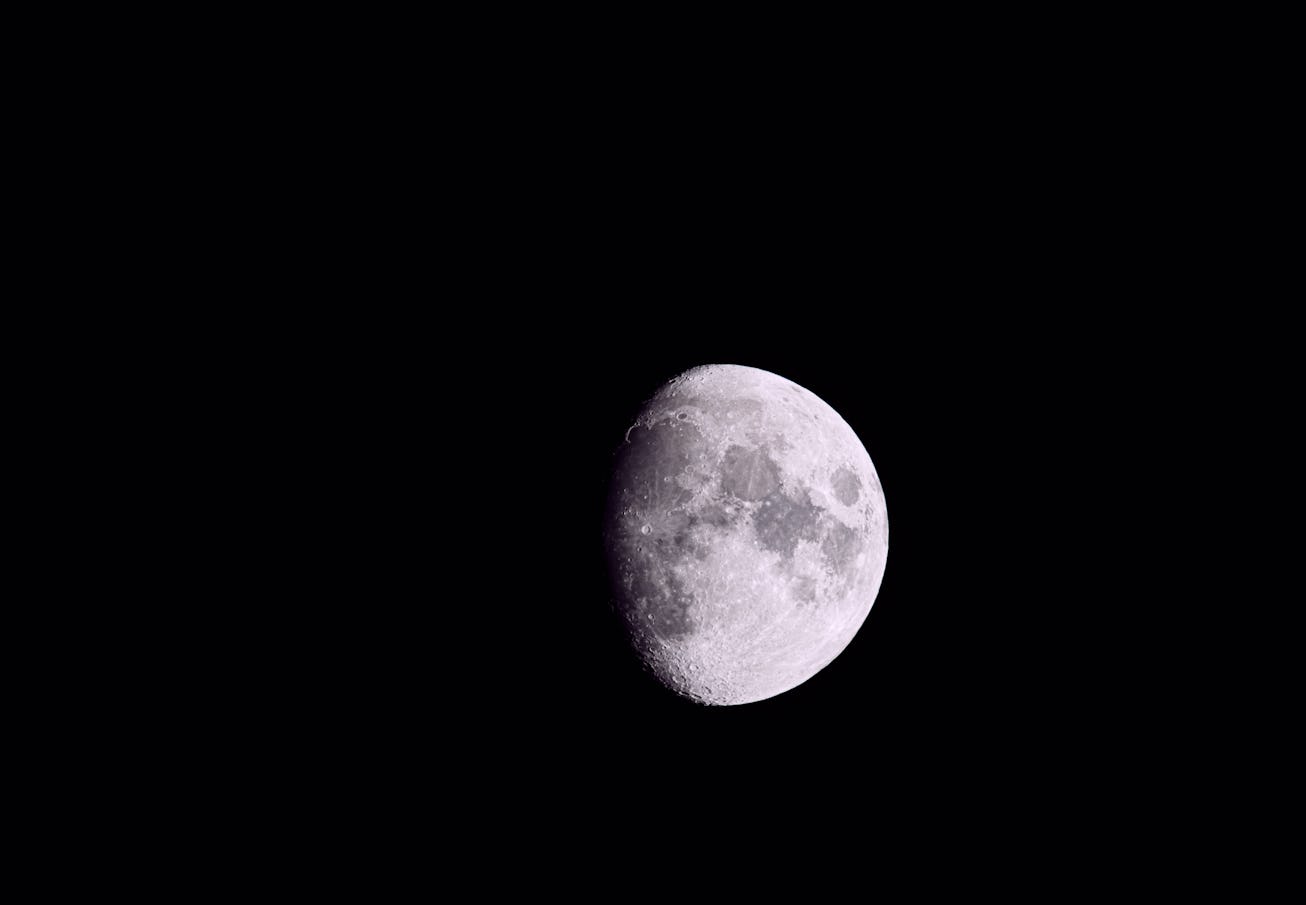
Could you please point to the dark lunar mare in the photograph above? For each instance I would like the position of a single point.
(840, 547)
(749, 474)
(782, 521)
(847, 486)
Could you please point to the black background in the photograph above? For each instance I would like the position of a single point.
(458, 469)
(979, 319)
(980, 673)
(434, 519)
(438, 301)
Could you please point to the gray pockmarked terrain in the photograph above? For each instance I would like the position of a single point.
(746, 534)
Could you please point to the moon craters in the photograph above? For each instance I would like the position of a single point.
(746, 534)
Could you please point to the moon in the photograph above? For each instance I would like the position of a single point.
(746, 534)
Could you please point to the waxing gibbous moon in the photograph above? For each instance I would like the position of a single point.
(746, 534)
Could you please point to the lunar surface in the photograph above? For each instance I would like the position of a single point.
(746, 534)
